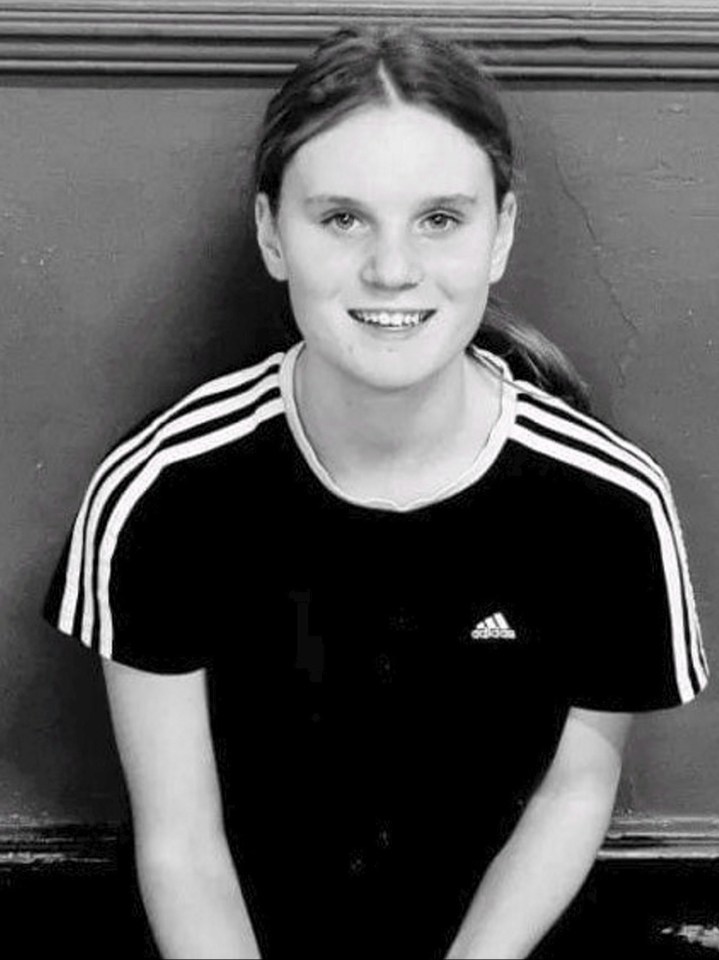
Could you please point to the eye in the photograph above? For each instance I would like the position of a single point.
(341, 215)
(442, 220)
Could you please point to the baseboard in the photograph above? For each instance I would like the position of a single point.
(662, 838)
(665, 40)
(101, 847)
(51, 847)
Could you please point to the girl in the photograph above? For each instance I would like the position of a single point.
(374, 612)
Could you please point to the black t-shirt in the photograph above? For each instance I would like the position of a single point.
(387, 685)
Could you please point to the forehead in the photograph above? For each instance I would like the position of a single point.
(397, 150)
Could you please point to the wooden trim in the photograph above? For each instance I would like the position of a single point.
(45, 848)
(98, 848)
(562, 40)
(674, 838)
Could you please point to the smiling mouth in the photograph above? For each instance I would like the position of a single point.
(392, 319)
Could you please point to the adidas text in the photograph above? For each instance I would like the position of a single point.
(493, 633)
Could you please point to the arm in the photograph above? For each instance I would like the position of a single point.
(545, 861)
(186, 875)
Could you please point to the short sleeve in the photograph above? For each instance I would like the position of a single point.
(632, 639)
(126, 585)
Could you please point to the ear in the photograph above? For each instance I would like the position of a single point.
(504, 237)
(268, 238)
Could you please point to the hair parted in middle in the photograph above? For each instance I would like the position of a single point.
(360, 66)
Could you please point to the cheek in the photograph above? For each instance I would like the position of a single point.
(463, 269)
(318, 265)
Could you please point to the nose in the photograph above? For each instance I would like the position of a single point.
(392, 264)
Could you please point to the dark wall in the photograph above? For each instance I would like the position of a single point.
(129, 274)
(618, 261)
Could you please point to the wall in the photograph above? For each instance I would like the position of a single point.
(129, 274)
(617, 261)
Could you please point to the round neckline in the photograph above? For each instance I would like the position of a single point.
(469, 476)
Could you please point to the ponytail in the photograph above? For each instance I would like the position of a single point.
(531, 356)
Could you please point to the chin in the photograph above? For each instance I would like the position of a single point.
(392, 374)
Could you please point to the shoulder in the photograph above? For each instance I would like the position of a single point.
(201, 411)
(587, 450)
(219, 413)
(612, 492)
(133, 497)
(141, 482)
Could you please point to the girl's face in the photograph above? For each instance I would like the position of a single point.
(389, 237)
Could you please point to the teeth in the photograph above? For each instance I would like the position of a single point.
(386, 318)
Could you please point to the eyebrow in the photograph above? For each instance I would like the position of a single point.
(444, 200)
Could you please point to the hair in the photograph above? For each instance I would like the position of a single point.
(360, 65)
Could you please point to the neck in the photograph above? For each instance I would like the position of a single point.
(356, 430)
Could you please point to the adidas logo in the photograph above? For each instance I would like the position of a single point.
(494, 628)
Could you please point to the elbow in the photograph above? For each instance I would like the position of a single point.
(589, 793)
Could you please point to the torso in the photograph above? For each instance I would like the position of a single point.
(387, 679)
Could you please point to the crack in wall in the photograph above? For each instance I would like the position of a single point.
(574, 198)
